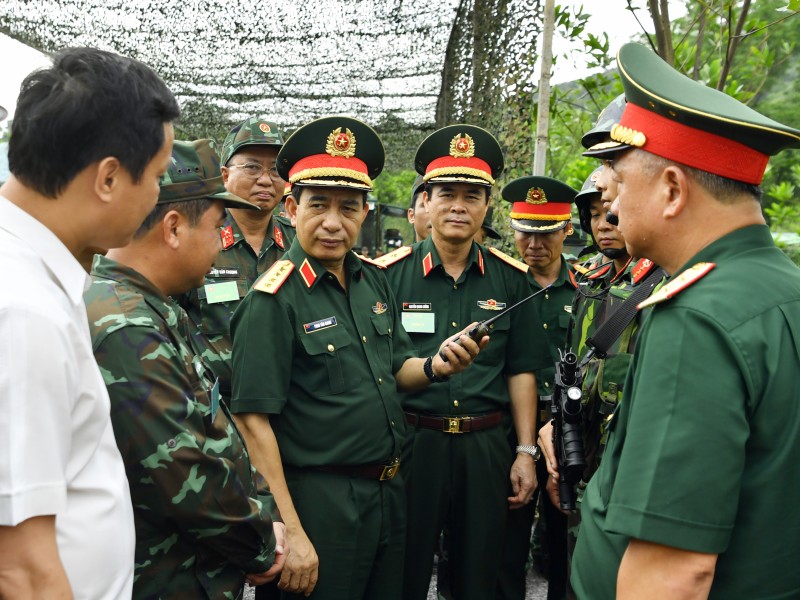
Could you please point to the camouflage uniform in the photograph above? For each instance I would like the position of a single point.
(201, 522)
(237, 264)
(599, 295)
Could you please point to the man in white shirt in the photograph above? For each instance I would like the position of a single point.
(91, 137)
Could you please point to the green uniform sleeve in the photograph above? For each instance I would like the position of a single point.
(263, 350)
(681, 465)
(181, 463)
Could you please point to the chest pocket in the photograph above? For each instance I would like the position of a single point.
(328, 352)
(563, 320)
(498, 333)
(383, 327)
(215, 318)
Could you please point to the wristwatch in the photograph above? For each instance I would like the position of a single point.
(534, 451)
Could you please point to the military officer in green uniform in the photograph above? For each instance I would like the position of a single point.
(251, 240)
(319, 353)
(202, 524)
(691, 497)
(541, 219)
(608, 281)
(462, 474)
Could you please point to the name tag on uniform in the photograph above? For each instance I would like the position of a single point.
(418, 322)
(221, 292)
(226, 272)
(321, 324)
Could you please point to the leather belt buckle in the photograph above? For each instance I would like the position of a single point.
(390, 470)
(454, 424)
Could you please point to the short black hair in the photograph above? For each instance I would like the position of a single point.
(88, 105)
(416, 199)
(297, 189)
(724, 189)
(193, 210)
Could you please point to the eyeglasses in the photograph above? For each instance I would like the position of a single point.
(255, 170)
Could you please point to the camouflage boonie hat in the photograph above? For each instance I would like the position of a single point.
(583, 198)
(605, 122)
(251, 132)
(194, 174)
(417, 188)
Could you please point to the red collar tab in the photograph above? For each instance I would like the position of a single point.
(622, 271)
(572, 279)
(641, 269)
(600, 271)
(694, 147)
(277, 235)
(226, 235)
(480, 262)
(427, 264)
(307, 273)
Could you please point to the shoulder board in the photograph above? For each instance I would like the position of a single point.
(370, 261)
(641, 269)
(680, 283)
(517, 264)
(393, 256)
(284, 221)
(273, 279)
(571, 275)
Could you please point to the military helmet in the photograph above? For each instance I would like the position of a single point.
(584, 198)
(251, 132)
(609, 117)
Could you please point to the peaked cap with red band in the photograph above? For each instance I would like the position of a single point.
(539, 204)
(332, 152)
(679, 119)
(459, 154)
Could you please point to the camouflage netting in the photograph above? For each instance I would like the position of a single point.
(405, 66)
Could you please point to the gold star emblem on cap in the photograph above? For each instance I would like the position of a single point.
(536, 196)
(341, 143)
(462, 146)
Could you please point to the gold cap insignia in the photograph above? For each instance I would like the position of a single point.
(536, 196)
(462, 147)
(629, 136)
(264, 127)
(341, 144)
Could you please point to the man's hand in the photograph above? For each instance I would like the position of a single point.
(523, 481)
(459, 355)
(301, 570)
(549, 455)
(281, 549)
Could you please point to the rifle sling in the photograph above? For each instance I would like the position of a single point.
(609, 331)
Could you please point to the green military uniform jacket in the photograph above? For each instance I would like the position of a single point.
(555, 312)
(435, 307)
(704, 448)
(201, 523)
(324, 360)
(211, 307)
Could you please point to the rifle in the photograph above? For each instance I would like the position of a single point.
(566, 409)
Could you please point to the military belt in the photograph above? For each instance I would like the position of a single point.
(455, 424)
(379, 472)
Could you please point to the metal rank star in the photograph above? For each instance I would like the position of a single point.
(462, 146)
(264, 127)
(536, 196)
(341, 143)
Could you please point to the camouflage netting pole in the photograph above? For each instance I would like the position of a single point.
(542, 124)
